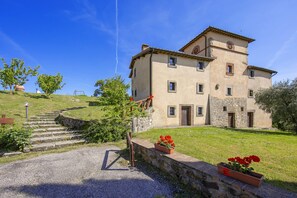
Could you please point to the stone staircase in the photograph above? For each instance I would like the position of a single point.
(47, 134)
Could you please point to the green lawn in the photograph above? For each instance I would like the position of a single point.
(277, 149)
(14, 105)
(88, 113)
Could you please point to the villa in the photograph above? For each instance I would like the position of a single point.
(207, 82)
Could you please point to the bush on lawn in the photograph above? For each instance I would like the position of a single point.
(14, 139)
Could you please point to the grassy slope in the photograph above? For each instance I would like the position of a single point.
(276, 149)
(13, 105)
(88, 113)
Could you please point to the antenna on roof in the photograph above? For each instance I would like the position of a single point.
(117, 37)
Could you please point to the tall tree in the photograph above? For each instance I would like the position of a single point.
(49, 84)
(281, 101)
(16, 73)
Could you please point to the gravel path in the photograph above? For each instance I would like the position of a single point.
(87, 172)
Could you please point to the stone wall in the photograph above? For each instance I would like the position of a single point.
(141, 124)
(72, 123)
(203, 176)
(218, 117)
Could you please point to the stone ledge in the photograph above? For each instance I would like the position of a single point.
(203, 176)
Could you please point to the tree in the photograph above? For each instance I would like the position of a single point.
(112, 90)
(119, 111)
(49, 84)
(281, 101)
(16, 73)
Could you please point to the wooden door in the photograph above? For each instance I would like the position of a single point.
(185, 116)
(231, 120)
(250, 119)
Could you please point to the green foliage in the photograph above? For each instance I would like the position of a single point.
(111, 90)
(49, 84)
(16, 73)
(13, 139)
(119, 112)
(281, 101)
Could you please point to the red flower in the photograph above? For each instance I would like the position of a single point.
(131, 99)
(226, 171)
(151, 97)
(173, 145)
(168, 137)
(255, 158)
(231, 159)
(247, 160)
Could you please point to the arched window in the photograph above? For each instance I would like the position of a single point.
(230, 45)
(196, 50)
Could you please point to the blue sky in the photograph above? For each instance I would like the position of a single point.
(78, 37)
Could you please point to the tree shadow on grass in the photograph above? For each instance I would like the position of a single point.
(255, 131)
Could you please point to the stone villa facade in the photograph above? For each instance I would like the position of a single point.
(207, 82)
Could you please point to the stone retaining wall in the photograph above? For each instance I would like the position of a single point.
(141, 124)
(72, 123)
(203, 176)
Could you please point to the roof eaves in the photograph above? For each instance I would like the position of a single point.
(262, 69)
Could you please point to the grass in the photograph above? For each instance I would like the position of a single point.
(88, 113)
(14, 105)
(277, 149)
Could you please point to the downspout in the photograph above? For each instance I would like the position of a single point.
(151, 70)
(205, 46)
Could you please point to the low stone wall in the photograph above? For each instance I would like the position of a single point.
(141, 124)
(203, 176)
(72, 123)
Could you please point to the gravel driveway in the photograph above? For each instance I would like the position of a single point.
(86, 172)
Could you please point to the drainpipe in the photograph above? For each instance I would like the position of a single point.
(205, 45)
(151, 70)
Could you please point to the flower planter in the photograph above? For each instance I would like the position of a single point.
(163, 149)
(253, 178)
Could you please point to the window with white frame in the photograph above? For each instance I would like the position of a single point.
(171, 86)
(171, 111)
(199, 111)
(172, 61)
(229, 91)
(200, 66)
(199, 88)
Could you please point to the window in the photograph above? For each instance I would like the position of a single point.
(135, 93)
(134, 72)
(200, 66)
(242, 108)
(230, 45)
(199, 111)
(229, 69)
(251, 93)
(224, 108)
(196, 50)
(172, 62)
(171, 86)
(251, 73)
(229, 91)
(171, 111)
(199, 88)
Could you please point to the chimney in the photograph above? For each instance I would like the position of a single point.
(144, 47)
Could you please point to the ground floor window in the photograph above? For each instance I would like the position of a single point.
(199, 111)
(171, 111)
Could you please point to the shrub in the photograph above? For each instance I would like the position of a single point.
(13, 139)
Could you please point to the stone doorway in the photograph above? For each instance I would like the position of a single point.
(231, 120)
(250, 116)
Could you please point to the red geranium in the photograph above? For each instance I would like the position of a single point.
(243, 164)
(166, 141)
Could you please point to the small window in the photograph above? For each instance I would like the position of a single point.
(251, 73)
(199, 88)
(230, 45)
(135, 93)
(172, 61)
(229, 91)
(200, 66)
(134, 72)
(229, 69)
(196, 50)
(171, 111)
(242, 108)
(199, 111)
(224, 108)
(171, 86)
(251, 93)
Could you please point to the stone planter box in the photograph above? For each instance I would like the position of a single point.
(253, 178)
(163, 149)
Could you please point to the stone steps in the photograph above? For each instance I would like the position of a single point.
(47, 134)
(54, 145)
(54, 133)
